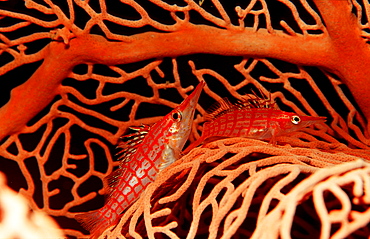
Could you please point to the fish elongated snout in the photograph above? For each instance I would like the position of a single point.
(306, 121)
(187, 107)
(192, 99)
(313, 119)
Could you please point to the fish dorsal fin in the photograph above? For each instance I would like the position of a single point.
(113, 178)
(249, 101)
(219, 108)
(129, 143)
(254, 101)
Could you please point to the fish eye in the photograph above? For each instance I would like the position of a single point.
(295, 119)
(177, 116)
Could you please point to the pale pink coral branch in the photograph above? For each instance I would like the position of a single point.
(17, 221)
(285, 162)
(280, 218)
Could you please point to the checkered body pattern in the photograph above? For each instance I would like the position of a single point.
(132, 177)
(256, 119)
(135, 172)
(143, 155)
(260, 124)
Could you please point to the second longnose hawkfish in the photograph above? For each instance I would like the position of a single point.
(253, 117)
(144, 154)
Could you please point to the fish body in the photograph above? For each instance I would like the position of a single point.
(256, 118)
(144, 154)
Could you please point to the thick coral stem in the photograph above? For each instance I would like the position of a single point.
(61, 59)
(350, 50)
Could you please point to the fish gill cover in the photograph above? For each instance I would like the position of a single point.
(75, 74)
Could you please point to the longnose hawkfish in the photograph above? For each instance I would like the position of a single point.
(144, 154)
(252, 117)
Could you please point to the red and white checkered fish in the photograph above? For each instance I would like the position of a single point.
(144, 154)
(253, 117)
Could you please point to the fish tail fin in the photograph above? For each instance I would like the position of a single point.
(93, 221)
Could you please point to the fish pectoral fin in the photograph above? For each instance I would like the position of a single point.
(169, 156)
(273, 141)
(273, 136)
(177, 154)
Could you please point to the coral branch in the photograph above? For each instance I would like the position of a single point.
(109, 65)
(44, 84)
(350, 51)
(233, 180)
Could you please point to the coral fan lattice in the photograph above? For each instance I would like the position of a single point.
(75, 74)
(238, 187)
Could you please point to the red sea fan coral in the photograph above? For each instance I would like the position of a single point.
(76, 73)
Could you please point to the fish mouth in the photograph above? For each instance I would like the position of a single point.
(316, 118)
(187, 109)
(189, 104)
(310, 120)
(183, 127)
